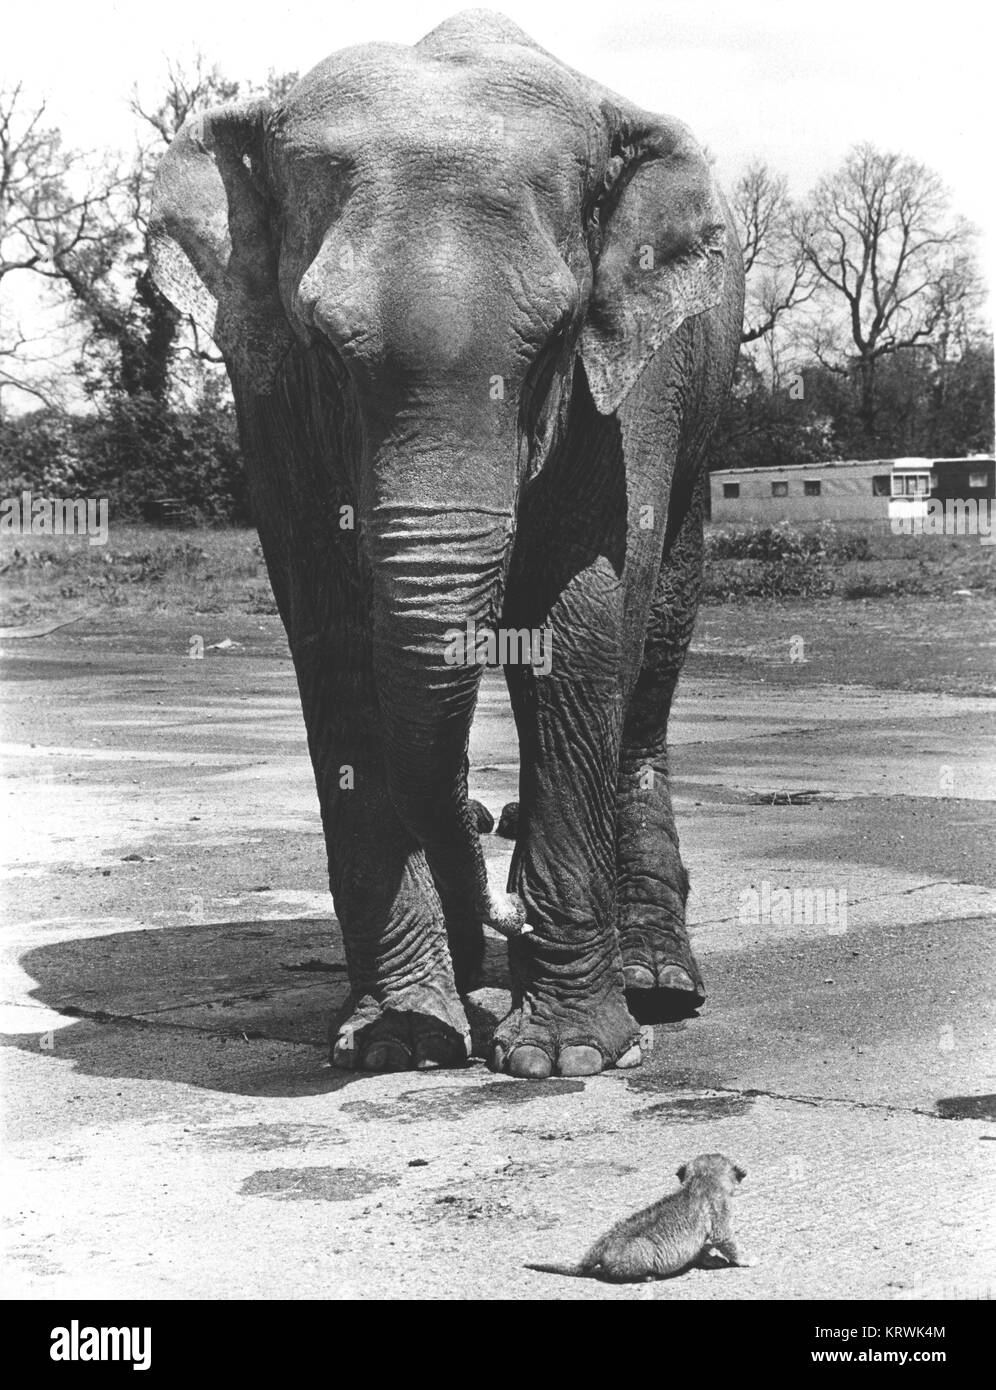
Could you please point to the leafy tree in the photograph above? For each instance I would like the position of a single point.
(147, 439)
(92, 248)
(762, 426)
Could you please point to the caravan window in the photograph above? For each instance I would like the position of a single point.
(779, 489)
(881, 485)
(811, 489)
(910, 484)
(731, 489)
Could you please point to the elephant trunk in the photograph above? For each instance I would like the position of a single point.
(437, 574)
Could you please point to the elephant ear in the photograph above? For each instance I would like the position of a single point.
(660, 253)
(211, 248)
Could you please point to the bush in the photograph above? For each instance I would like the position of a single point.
(785, 561)
(787, 542)
(792, 577)
(42, 451)
(151, 461)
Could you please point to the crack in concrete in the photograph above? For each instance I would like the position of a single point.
(818, 1101)
(750, 1092)
(140, 1021)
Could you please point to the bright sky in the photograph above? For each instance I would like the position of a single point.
(793, 81)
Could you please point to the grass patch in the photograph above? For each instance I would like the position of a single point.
(149, 569)
(141, 568)
(850, 561)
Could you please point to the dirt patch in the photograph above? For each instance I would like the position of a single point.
(801, 798)
(520, 1169)
(506, 1195)
(467, 1206)
(967, 1108)
(902, 643)
(667, 1083)
(314, 1184)
(453, 1102)
(260, 1136)
(691, 1109)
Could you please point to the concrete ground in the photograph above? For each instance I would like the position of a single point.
(172, 1128)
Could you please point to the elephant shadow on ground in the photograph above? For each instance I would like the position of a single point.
(241, 1007)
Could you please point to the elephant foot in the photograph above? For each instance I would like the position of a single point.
(483, 818)
(541, 1039)
(417, 1029)
(661, 975)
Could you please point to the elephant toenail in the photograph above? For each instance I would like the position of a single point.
(638, 977)
(673, 977)
(385, 1056)
(631, 1058)
(530, 1062)
(580, 1061)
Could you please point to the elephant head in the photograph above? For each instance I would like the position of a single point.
(454, 227)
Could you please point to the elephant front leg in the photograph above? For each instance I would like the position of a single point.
(404, 1009)
(569, 1015)
(662, 976)
(663, 979)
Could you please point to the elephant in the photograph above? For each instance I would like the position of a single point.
(480, 315)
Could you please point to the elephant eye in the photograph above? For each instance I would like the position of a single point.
(607, 189)
(613, 169)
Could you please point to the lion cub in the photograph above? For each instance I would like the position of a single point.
(671, 1235)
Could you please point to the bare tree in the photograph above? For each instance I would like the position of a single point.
(133, 330)
(774, 264)
(891, 262)
(43, 220)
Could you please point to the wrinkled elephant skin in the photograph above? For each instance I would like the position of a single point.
(479, 315)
